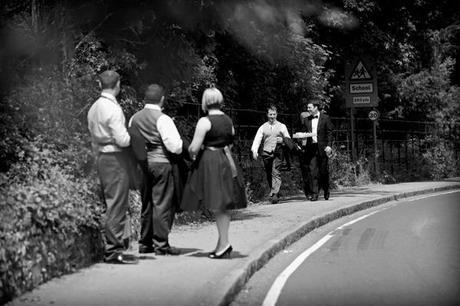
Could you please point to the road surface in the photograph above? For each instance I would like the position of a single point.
(404, 253)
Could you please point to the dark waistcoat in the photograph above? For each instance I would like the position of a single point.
(146, 122)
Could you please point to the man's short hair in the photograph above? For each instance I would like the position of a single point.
(154, 93)
(109, 79)
(271, 108)
(315, 102)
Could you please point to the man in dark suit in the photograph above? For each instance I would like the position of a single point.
(317, 149)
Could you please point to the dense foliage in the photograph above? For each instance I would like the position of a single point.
(258, 52)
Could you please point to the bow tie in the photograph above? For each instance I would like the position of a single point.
(313, 117)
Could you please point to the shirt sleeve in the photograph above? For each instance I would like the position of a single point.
(284, 131)
(169, 134)
(118, 128)
(257, 139)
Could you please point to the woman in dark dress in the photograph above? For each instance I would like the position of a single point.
(214, 182)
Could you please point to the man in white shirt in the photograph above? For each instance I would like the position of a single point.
(271, 133)
(106, 124)
(161, 140)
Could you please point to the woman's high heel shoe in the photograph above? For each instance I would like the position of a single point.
(224, 253)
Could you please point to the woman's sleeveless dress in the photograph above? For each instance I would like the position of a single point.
(211, 183)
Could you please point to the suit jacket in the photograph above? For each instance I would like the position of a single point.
(324, 130)
(178, 164)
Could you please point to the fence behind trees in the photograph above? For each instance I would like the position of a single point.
(400, 143)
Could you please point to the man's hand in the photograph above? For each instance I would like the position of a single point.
(328, 151)
(279, 139)
(255, 155)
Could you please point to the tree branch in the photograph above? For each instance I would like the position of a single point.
(92, 31)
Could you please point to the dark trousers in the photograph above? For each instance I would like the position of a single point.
(157, 213)
(314, 166)
(272, 165)
(113, 174)
(305, 159)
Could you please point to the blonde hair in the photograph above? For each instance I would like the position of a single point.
(211, 97)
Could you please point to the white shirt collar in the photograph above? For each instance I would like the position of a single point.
(109, 96)
(152, 106)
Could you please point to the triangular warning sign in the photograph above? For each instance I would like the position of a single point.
(360, 72)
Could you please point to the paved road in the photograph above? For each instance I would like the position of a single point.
(257, 233)
(406, 254)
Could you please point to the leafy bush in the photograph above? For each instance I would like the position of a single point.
(345, 173)
(49, 220)
(439, 161)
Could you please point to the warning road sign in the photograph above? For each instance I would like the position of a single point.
(361, 83)
(360, 72)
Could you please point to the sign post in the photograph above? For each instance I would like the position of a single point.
(352, 130)
(374, 115)
(361, 91)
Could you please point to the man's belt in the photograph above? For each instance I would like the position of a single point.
(151, 146)
(102, 144)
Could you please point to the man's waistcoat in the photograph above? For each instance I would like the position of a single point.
(146, 122)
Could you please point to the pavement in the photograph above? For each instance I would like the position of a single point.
(257, 234)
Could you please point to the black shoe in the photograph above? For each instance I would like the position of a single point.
(222, 254)
(275, 199)
(143, 249)
(121, 259)
(314, 198)
(326, 195)
(169, 251)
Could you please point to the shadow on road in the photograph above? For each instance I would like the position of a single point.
(234, 255)
(246, 215)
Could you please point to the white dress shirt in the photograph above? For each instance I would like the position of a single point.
(106, 124)
(314, 128)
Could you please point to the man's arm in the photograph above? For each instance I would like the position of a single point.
(256, 142)
(329, 130)
(329, 137)
(169, 134)
(118, 129)
(284, 131)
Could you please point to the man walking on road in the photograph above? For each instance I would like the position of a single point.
(106, 124)
(161, 140)
(271, 134)
(315, 158)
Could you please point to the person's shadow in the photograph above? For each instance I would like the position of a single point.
(183, 251)
(233, 255)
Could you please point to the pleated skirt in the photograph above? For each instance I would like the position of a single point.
(211, 184)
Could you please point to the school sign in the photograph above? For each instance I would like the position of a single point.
(361, 83)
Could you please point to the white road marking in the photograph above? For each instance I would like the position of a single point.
(273, 294)
(275, 290)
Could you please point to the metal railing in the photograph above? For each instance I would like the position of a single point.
(400, 143)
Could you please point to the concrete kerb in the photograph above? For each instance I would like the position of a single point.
(231, 285)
